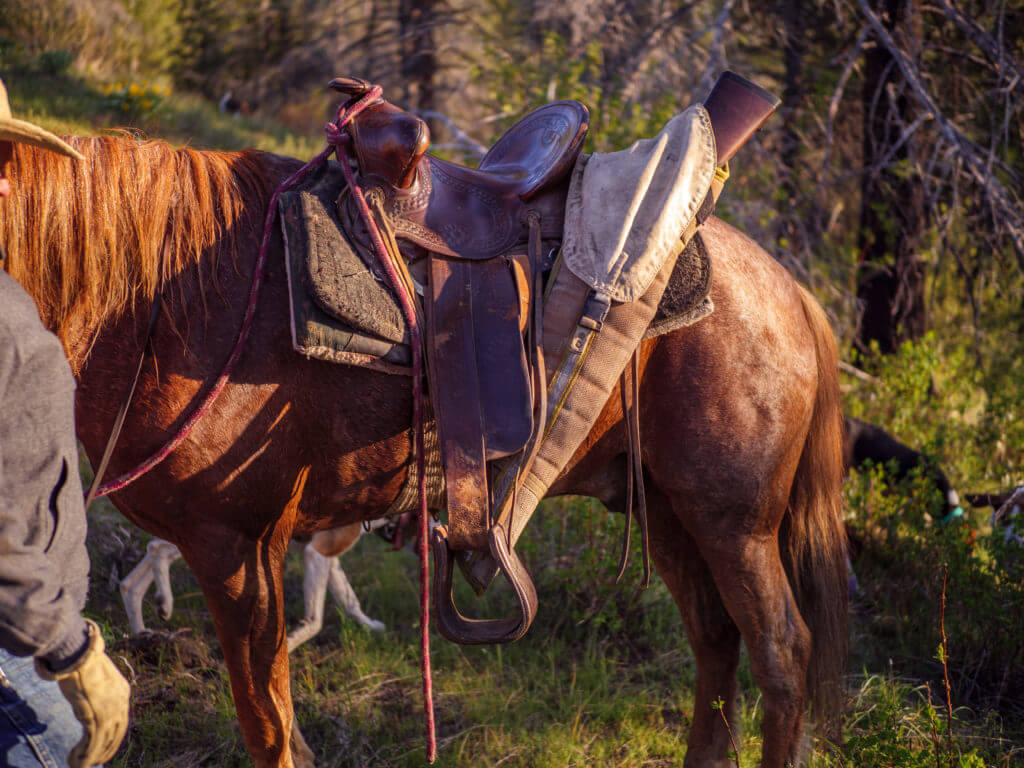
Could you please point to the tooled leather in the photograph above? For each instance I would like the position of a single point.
(429, 210)
(464, 212)
(553, 141)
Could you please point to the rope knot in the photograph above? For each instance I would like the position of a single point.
(336, 134)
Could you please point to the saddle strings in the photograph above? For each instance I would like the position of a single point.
(629, 389)
(340, 141)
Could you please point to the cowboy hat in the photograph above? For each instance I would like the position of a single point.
(27, 133)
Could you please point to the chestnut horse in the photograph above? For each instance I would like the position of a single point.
(740, 417)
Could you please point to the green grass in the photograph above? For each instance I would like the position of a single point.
(612, 690)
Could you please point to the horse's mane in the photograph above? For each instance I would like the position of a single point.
(89, 239)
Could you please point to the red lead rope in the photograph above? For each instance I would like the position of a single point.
(342, 141)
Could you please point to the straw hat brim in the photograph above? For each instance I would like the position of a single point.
(27, 133)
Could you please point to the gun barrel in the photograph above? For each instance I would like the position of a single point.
(737, 107)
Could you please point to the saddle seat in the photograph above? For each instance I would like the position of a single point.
(454, 210)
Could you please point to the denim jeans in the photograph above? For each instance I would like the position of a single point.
(37, 727)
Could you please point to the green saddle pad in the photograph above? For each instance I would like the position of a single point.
(340, 311)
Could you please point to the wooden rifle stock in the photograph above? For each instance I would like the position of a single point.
(737, 108)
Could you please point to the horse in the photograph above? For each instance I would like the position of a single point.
(865, 443)
(740, 414)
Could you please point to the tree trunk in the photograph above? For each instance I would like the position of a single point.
(794, 47)
(890, 281)
(416, 22)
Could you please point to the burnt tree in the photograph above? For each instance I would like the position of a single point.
(417, 22)
(890, 280)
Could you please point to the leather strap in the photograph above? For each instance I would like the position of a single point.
(115, 431)
(456, 395)
(630, 391)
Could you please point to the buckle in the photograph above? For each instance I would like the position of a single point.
(595, 310)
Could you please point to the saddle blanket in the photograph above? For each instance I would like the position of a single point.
(342, 312)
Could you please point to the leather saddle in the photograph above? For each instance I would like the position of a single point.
(480, 231)
(480, 235)
(461, 212)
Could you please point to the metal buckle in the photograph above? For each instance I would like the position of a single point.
(595, 310)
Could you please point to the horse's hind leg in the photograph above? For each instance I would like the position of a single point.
(241, 580)
(714, 638)
(754, 588)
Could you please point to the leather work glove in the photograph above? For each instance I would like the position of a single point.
(98, 694)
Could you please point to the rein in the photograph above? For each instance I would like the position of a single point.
(131, 476)
(340, 140)
(338, 143)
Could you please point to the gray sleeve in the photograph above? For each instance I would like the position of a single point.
(38, 616)
(43, 561)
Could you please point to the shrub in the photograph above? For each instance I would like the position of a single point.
(134, 101)
(55, 62)
(936, 398)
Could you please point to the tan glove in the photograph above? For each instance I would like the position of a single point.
(98, 694)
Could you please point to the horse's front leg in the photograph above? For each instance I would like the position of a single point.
(241, 580)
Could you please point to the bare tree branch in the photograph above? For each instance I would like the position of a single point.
(1005, 64)
(975, 159)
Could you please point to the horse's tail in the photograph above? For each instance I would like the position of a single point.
(812, 539)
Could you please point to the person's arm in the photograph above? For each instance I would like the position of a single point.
(43, 562)
(37, 616)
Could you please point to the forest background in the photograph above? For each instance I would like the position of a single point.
(891, 182)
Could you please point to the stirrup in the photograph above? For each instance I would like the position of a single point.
(459, 629)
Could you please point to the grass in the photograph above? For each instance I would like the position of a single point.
(614, 690)
(72, 104)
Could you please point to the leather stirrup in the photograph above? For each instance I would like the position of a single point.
(456, 627)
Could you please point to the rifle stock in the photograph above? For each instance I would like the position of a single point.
(737, 108)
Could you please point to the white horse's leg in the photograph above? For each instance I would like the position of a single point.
(314, 590)
(155, 565)
(166, 553)
(346, 597)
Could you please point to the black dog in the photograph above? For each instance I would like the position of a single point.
(863, 442)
